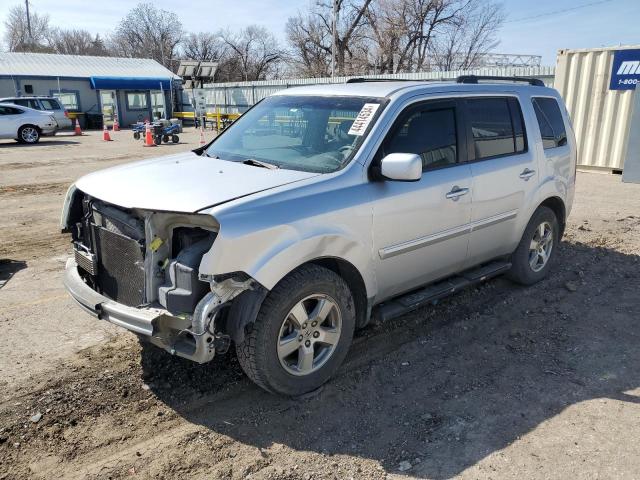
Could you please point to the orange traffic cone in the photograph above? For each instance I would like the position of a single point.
(77, 127)
(105, 134)
(148, 138)
(116, 125)
(202, 141)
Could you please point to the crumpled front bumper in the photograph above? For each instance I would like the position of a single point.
(156, 325)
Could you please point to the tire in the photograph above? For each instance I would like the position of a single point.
(165, 138)
(136, 135)
(29, 134)
(157, 139)
(175, 138)
(311, 287)
(528, 265)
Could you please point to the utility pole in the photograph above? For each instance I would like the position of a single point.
(26, 2)
(334, 32)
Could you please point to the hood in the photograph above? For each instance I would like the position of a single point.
(184, 182)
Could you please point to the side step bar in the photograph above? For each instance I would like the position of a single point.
(431, 293)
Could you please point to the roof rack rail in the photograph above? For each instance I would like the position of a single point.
(475, 78)
(364, 80)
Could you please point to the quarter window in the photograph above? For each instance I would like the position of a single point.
(430, 133)
(50, 104)
(68, 99)
(551, 122)
(496, 125)
(28, 102)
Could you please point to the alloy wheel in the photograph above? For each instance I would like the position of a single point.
(541, 246)
(309, 334)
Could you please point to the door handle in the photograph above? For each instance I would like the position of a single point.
(456, 192)
(527, 174)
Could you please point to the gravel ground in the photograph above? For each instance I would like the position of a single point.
(499, 381)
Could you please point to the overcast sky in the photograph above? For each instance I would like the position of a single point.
(536, 27)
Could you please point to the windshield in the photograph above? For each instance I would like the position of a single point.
(312, 134)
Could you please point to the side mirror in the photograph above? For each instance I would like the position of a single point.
(403, 167)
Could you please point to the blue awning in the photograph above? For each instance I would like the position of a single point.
(130, 83)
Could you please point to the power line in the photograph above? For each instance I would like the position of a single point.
(556, 12)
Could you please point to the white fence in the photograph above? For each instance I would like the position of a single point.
(238, 97)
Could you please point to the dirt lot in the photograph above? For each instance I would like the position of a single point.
(498, 382)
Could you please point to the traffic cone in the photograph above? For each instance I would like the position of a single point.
(148, 138)
(105, 134)
(76, 127)
(202, 141)
(116, 125)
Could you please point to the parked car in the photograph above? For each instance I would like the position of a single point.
(48, 104)
(25, 125)
(320, 208)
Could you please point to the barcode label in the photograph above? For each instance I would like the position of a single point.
(363, 119)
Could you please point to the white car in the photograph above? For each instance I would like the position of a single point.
(25, 125)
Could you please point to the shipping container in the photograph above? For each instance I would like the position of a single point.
(601, 115)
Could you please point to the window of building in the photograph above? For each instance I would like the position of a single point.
(551, 122)
(28, 89)
(429, 132)
(68, 99)
(497, 127)
(137, 100)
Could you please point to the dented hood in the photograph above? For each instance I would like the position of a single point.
(183, 182)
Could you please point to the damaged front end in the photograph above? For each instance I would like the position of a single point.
(139, 269)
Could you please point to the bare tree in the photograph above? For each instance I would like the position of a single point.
(203, 46)
(77, 42)
(149, 32)
(462, 46)
(310, 37)
(253, 52)
(19, 37)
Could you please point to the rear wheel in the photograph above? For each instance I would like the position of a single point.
(165, 138)
(302, 332)
(535, 253)
(136, 135)
(175, 138)
(28, 134)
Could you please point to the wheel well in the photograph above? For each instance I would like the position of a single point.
(354, 280)
(557, 205)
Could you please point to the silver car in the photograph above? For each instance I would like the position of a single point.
(25, 125)
(51, 105)
(321, 208)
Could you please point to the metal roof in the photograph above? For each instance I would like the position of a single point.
(53, 65)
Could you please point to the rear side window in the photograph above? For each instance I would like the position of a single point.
(27, 102)
(49, 104)
(496, 125)
(430, 133)
(9, 111)
(551, 122)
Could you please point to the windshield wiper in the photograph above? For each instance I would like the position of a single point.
(258, 163)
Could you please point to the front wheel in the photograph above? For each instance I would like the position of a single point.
(302, 332)
(535, 253)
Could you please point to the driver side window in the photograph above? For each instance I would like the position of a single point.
(430, 132)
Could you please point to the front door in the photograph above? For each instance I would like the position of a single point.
(504, 176)
(109, 106)
(420, 230)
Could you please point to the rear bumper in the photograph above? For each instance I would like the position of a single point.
(158, 326)
(47, 131)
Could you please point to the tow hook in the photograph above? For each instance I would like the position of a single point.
(221, 343)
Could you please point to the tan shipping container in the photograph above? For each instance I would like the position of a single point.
(601, 117)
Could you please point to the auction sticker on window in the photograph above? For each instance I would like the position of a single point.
(363, 119)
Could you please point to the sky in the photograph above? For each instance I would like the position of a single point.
(533, 27)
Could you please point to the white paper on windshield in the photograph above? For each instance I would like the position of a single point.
(363, 119)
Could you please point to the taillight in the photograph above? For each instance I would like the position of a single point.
(66, 114)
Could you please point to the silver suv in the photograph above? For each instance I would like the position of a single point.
(321, 208)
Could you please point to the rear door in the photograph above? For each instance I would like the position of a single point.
(420, 228)
(504, 175)
(59, 113)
